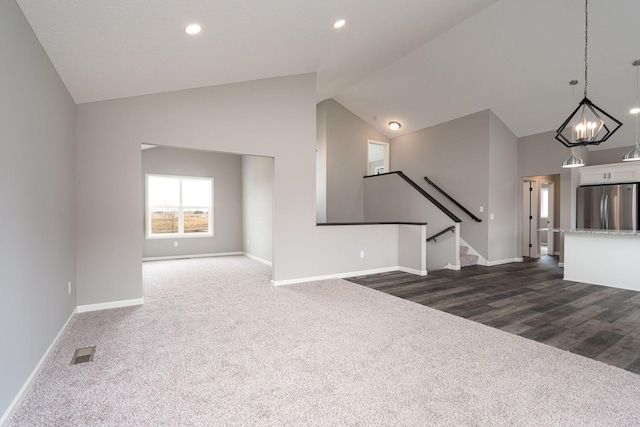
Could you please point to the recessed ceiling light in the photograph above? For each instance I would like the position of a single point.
(339, 24)
(394, 125)
(635, 110)
(192, 29)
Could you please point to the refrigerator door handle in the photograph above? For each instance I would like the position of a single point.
(606, 211)
(602, 211)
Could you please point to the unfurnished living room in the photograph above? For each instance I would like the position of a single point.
(418, 212)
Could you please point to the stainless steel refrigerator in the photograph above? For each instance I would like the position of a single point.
(608, 207)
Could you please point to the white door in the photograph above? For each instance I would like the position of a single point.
(530, 214)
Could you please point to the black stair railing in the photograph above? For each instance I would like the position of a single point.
(454, 201)
(421, 191)
(446, 230)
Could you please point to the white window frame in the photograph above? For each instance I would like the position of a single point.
(181, 208)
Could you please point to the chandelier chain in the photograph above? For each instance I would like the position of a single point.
(586, 43)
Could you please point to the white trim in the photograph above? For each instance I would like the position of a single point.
(503, 261)
(556, 253)
(15, 403)
(451, 267)
(413, 270)
(112, 304)
(561, 264)
(170, 257)
(255, 258)
(334, 276)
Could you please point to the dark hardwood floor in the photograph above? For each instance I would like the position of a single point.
(532, 300)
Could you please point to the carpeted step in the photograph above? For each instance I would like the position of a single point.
(466, 258)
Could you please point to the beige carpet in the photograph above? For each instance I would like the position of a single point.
(216, 344)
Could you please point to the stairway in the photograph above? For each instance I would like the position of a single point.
(467, 259)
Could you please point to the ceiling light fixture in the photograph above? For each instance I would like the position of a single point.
(339, 24)
(394, 125)
(573, 161)
(192, 29)
(634, 154)
(588, 124)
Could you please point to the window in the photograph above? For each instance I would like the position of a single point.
(179, 206)
(544, 203)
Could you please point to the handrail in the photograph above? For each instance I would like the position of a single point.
(446, 230)
(454, 201)
(421, 191)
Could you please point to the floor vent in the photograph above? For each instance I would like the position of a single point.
(83, 355)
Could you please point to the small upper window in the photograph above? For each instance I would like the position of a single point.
(179, 206)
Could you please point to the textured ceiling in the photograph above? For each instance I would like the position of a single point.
(420, 62)
(515, 57)
(118, 48)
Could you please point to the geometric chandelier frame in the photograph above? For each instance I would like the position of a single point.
(599, 126)
(588, 124)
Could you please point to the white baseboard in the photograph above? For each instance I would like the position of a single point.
(255, 258)
(556, 253)
(561, 264)
(503, 261)
(15, 403)
(334, 276)
(413, 271)
(451, 267)
(112, 304)
(166, 258)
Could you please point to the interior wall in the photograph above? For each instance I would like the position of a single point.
(226, 170)
(321, 162)
(541, 154)
(37, 184)
(455, 155)
(271, 117)
(503, 191)
(608, 155)
(347, 138)
(257, 203)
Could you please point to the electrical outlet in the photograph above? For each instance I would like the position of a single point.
(481, 209)
(69, 287)
(175, 244)
(491, 216)
(361, 254)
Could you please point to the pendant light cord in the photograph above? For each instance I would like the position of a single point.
(586, 43)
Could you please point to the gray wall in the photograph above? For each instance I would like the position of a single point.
(504, 189)
(542, 154)
(607, 156)
(271, 117)
(347, 138)
(226, 170)
(257, 203)
(321, 162)
(37, 183)
(390, 198)
(456, 156)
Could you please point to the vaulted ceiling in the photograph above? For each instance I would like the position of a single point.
(420, 62)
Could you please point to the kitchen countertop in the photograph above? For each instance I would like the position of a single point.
(592, 231)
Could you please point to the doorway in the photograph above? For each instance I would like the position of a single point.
(540, 210)
(377, 157)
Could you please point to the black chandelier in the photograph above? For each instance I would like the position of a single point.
(588, 124)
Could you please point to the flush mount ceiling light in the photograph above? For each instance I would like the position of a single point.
(192, 29)
(394, 125)
(339, 23)
(634, 154)
(588, 124)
